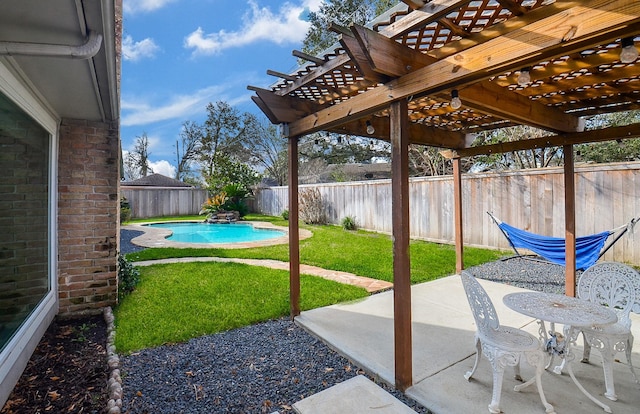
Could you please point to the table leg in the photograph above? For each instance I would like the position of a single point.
(571, 335)
(542, 333)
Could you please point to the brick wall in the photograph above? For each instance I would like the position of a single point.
(88, 211)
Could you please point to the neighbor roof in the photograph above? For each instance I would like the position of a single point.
(155, 180)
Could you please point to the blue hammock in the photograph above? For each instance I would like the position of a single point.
(588, 248)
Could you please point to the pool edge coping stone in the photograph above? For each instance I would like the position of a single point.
(156, 237)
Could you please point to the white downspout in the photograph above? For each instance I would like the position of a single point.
(85, 51)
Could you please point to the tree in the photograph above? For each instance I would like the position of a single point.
(611, 151)
(136, 162)
(230, 172)
(532, 158)
(141, 153)
(130, 168)
(191, 139)
(269, 150)
(342, 12)
(225, 132)
(343, 149)
(427, 161)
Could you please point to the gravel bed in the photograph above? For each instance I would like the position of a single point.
(263, 368)
(125, 241)
(528, 273)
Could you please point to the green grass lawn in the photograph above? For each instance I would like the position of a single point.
(176, 302)
(360, 252)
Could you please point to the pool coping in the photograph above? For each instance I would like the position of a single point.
(156, 237)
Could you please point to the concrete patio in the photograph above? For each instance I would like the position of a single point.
(443, 331)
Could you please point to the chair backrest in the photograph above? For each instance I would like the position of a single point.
(483, 310)
(614, 285)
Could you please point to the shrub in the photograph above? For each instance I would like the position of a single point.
(125, 210)
(349, 223)
(128, 277)
(285, 215)
(239, 205)
(214, 204)
(312, 207)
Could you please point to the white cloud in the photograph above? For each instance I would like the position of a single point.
(163, 167)
(258, 24)
(134, 6)
(313, 5)
(136, 50)
(137, 112)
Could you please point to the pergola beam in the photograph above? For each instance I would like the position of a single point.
(361, 60)
(281, 75)
(282, 109)
(418, 134)
(305, 56)
(598, 135)
(487, 97)
(423, 14)
(586, 23)
(391, 58)
(394, 59)
(385, 55)
(501, 29)
(432, 11)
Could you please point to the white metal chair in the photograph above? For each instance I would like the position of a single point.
(502, 345)
(616, 286)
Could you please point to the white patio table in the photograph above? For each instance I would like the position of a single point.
(571, 312)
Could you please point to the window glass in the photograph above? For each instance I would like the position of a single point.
(24, 217)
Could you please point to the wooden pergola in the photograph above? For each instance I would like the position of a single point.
(400, 73)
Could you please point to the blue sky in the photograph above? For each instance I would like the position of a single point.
(179, 55)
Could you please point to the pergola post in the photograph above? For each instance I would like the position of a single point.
(399, 122)
(457, 212)
(294, 236)
(570, 221)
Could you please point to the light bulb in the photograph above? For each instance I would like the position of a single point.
(455, 103)
(370, 128)
(629, 53)
(524, 77)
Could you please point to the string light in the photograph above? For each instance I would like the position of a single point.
(628, 53)
(524, 77)
(455, 103)
(370, 128)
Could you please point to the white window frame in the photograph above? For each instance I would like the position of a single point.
(17, 352)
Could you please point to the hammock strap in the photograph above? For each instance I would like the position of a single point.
(625, 228)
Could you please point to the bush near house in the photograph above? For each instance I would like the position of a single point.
(125, 210)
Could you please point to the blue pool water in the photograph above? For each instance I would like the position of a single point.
(216, 233)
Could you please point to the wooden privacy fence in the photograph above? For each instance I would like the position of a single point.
(607, 196)
(148, 202)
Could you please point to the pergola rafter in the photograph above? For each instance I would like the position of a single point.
(398, 73)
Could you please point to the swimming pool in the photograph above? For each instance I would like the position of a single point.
(198, 232)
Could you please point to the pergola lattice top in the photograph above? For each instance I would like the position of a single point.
(422, 50)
